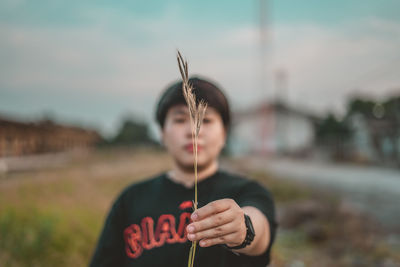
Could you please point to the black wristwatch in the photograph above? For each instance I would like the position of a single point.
(250, 234)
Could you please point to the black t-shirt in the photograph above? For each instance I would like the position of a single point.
(147, 223)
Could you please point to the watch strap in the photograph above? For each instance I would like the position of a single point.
(249, 234)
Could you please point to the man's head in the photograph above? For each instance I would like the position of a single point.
(172, 115)
(203, 89)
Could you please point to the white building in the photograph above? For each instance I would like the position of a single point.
(271, 129)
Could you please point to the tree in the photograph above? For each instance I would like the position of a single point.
(330, 129)
(334, 135)
(131, 133)
(383, 125)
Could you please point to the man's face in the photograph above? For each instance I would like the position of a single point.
(177, 137)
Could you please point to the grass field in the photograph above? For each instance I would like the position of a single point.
(53, 217)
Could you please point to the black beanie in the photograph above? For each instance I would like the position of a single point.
(203, 89)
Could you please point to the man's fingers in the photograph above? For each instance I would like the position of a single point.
(216, 206)
(211, 222)
(218, 231)
(225, 239)
(219, 222)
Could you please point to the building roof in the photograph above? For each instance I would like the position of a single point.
(265, 108)
(44, 124)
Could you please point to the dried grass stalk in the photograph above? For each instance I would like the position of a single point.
(197, 113)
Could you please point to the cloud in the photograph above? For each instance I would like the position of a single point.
(128, 60)
(323, 64)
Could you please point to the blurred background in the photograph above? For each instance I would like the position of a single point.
(315, 92)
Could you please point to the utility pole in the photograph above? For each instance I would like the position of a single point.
(282, 107)
(281, 87)
(263, 42)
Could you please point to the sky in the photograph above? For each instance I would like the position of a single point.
(95, 62)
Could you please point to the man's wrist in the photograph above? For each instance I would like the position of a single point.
(250, 234)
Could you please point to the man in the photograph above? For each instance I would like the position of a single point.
(152, 222)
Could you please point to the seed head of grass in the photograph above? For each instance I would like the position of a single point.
(196, 112)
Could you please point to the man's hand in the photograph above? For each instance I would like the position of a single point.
(219, 222)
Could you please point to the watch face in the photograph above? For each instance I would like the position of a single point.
(249, 225)
(250, 234)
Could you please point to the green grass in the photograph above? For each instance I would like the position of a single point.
(54, 217)
(33, 238)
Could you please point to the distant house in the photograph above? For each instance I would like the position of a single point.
(375, 139)
(362, 148)
(271, 128)
(19, 138)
